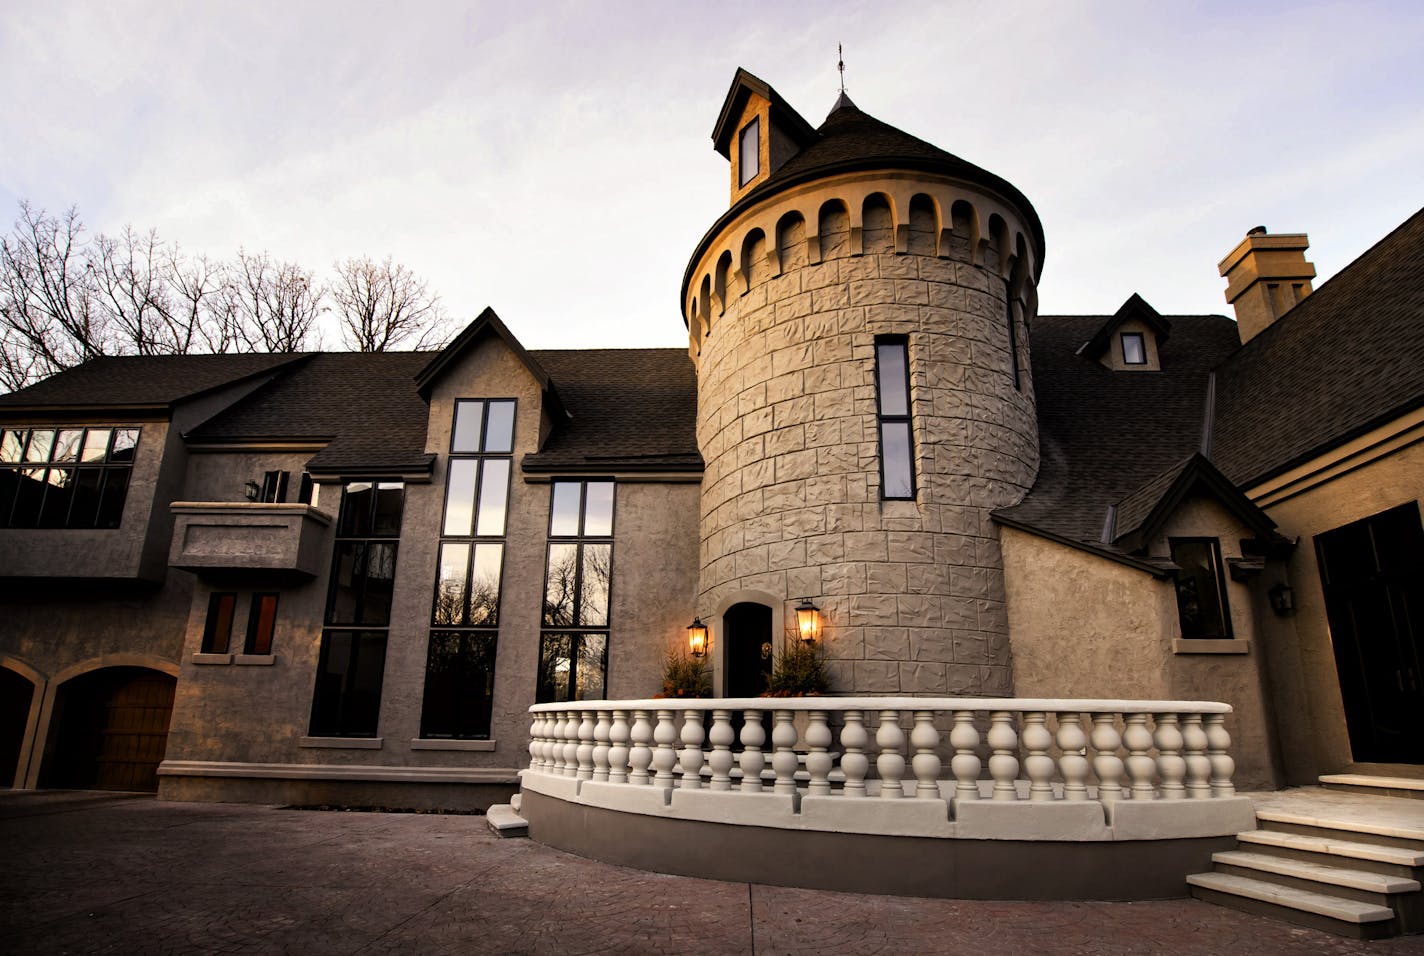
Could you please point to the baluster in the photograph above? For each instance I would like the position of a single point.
(965, 764)
(818, 761)
(783, 759)
(600, 745)
(571, 745)
(692, 736)
(664, 756)
(556, 743)
(1073, 762)
(1038, 765)
(1106, 763)
(891, 762)
(1222, 766)
(925, 763)
(1004, 761)
(618, 748)
(752, 760)
(536, 743)
(640, 757)
(1198, 764)
(854, 763)
(721, 736)
(1141, 768)
(585, 746)
(1170, 765)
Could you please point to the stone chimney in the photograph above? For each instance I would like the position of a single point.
(1266, 277)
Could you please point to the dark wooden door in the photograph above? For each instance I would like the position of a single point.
(746, 628)
(16, 694)
(1372, 572)
(113, 728)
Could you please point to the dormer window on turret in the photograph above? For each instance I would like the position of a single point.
(757, 132)
(1134, 348)
(749, 152)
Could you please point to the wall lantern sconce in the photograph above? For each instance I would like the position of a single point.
(253, 490)
(697, 637)
(1282, 599)
(808, 621)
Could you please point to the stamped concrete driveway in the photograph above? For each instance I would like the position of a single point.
(105, 873)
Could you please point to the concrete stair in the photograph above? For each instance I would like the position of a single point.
(504, 819)
(1350, 871)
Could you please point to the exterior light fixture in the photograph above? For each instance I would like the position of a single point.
(697, 637)
(1282, 599)
(808, 621)
(253, 490)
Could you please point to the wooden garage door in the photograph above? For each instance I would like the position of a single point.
(113, 730)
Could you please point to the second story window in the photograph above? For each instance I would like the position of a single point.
(347, 699)
(65, 477)
(749, 152)
(464, 619)
(1201, 588)
(573, 648)
(892, 394)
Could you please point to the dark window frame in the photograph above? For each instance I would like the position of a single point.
(744, 177)
(274, 487)
(445, 713)
(214, 622)
(55, 506)
(1142, 345)
(576, 631)
(1219, 579)
(1013, 334)
(882, 419)
(252, 644)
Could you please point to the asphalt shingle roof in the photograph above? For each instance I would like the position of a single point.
(142, 379)
(1347, 358)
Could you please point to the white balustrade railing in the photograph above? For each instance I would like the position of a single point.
(1038, 750)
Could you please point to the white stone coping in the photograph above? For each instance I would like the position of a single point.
(1198, 645)
(440, 744)
(1055, 705)
(302, 771)
(249, 508)
(985, 819)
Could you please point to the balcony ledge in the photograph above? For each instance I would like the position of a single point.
(264, 539)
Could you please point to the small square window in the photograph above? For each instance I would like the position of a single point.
(749, 152)
(1134, 349)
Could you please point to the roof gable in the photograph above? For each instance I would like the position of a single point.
(1135, 307)
(1142, 514)
(486, 324)
(744, 85)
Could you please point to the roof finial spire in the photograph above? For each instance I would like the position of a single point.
(840, 64)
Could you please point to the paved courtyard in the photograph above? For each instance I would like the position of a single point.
(107, 873)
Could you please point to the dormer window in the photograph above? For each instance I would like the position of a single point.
(748, 152)
(1134, 349)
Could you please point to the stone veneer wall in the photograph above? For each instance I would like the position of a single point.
(912, 592)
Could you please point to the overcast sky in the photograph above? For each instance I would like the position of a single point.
(554, 160)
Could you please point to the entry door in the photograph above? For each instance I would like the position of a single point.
(1373, 575)
(746, 631)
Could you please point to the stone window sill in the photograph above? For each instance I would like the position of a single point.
(211, 659)
(1185, 645)
(485, 745)
(342, 743)
(255, 660)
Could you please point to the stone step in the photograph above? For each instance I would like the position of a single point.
(1388, 833)
(506, 822)
(1366, 881)
(1303, 907)
(1382, 859)
(1401, 787)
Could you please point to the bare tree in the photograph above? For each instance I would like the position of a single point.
(270, 306)
(383, 305)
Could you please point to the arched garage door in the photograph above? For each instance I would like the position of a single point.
(109, 730)
(16, 695)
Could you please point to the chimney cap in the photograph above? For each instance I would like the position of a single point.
(1257, 231)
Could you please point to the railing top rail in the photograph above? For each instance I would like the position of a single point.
(986, 704)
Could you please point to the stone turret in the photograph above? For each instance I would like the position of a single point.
(850, 248)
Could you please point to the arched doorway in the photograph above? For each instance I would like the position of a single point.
(109, 730)
(16, 696)
(748, 647)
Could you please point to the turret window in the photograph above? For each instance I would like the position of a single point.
(748, 152)
(892, 393)
(1134, 349)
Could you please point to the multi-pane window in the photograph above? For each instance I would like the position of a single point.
(217, 631)
(72, 477)
(892, 394)
(1201, 588)
(749, 152)
(573, 648)
(347, 699)
(1134, 349)
(464, 618)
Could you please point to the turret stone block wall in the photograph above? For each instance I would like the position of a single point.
(911, 591)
